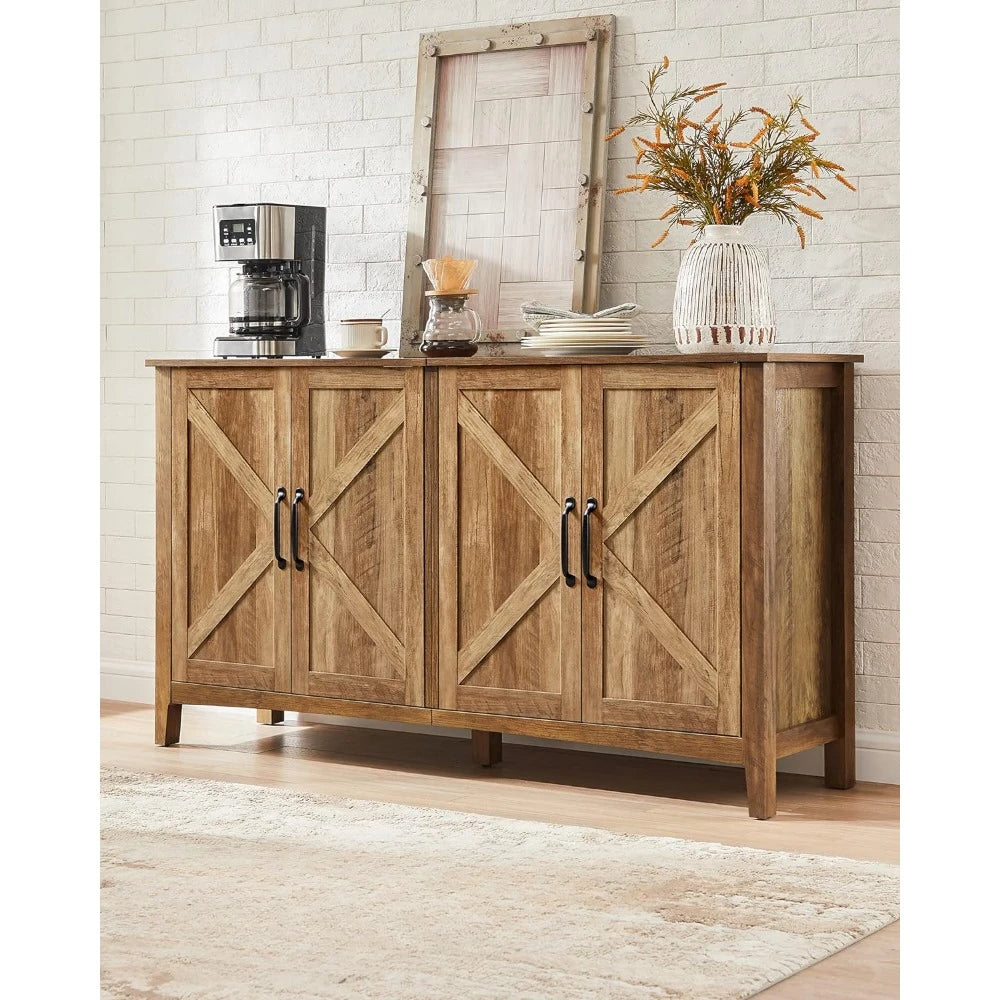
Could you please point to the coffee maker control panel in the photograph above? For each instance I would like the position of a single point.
(237, 232)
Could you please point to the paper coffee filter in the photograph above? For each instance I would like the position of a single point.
(449, 274)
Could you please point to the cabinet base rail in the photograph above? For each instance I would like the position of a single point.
(487, 731)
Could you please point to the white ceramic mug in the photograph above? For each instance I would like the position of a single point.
(363, 334)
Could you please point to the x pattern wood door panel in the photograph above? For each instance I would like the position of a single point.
(509, 628)
(230, 452)
(506, 164)
(357, 604)
(661, 630)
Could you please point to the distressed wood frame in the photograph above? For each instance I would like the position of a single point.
(597, 34)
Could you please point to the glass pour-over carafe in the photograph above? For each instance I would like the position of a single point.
(452, 330)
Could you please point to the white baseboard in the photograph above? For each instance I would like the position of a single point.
(877, 752)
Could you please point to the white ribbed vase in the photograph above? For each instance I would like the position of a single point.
(722, 301)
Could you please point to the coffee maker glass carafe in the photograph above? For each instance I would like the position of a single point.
(268, 298)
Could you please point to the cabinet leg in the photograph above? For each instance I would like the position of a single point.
(761, 768)
(838, 762)
(487, 748)
(168, 725)
(269, 716)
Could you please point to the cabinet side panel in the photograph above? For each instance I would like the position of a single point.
(808, 571)
(430, 494)
(163, 574)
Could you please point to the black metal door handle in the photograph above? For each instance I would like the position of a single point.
(278, 497)
(300, 494)
(564, 542)
(585, 543)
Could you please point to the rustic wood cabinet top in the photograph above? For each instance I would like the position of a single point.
(506, 361)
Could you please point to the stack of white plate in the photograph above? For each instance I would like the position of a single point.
(585, 335)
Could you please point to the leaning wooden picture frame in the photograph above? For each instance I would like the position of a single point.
(510, 167)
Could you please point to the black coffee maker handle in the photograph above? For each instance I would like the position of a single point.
(303, 315)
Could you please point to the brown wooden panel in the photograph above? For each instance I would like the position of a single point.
(839, 755)
(207, 694)
(757, 555)
(809, 734)
(807, 561)
(167, 715)
(508, 455)
(230, 452)
(727, 749)
(358, 602)
(661, 630)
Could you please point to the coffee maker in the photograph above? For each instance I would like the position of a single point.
(276, 297)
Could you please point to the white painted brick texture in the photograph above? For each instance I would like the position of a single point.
(222, 100)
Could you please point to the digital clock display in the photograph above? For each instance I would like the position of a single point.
(238, 227)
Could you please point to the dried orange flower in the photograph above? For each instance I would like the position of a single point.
(802, 236)
(717, 180)
(614, 133)
(808, 211)
(659, 239)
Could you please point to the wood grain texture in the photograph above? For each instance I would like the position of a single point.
(724, 749)
(758, 584)
(510, 126)
(357, 445)
(167, 719)
(660, 629)
(230, 602)
(809, 734)
(456, 101)
(270, 717)
(701, 472)
(184, 693)
(840, 755)
(487, 747)
(506, 458)
(430, 524)
(806, 558)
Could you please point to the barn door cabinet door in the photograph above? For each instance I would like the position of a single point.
(509, 458)
(229, 465)
(661, 613)
(357, 577)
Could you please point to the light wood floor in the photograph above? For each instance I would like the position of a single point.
(632, 795)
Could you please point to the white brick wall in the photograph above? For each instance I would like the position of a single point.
(309, 100)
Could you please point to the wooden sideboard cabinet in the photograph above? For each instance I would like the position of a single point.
(648, 553)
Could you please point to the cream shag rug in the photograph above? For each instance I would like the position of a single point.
(222, 891)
